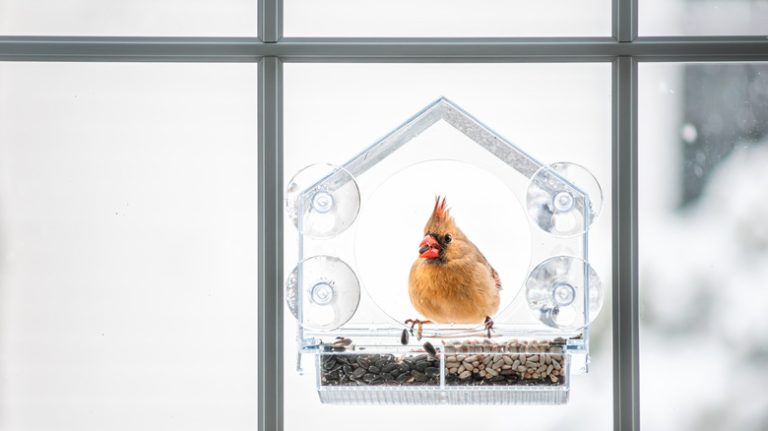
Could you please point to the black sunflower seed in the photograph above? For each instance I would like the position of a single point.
(430, 348)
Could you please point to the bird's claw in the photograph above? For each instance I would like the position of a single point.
(488, 323)
(419, 326)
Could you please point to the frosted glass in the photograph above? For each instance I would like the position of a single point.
(703, 17)
(446, 18)
(703, 258)
(129, 18)
(129, 246)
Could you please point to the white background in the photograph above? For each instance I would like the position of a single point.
(702, 17)
(128, 247)
(393, 18)
(447, 18)
(129, 18)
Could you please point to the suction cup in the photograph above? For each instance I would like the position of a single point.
(555, 292)
(322, 200)
(564, 199)
(327, 290)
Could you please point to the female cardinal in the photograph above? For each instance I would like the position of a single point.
(451, 281)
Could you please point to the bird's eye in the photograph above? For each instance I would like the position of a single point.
(448, 238)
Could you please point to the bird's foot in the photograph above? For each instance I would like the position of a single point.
(419, 326)
(488, 325)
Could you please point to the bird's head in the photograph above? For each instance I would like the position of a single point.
(441, 235)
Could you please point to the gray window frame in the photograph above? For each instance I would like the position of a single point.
(624, 49)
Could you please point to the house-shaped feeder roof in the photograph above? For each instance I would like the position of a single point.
(444, 109)
(484, 136)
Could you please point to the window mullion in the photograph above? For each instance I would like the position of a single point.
(625, 246)
(270, 20)
(625, 20)
(270, 292)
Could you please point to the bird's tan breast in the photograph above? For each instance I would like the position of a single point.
(459, 291)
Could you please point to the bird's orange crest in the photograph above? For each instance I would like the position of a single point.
(441, 221)
(440, 212)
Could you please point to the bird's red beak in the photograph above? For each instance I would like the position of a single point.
(429, 248)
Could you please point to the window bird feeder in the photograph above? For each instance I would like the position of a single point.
(358, 226)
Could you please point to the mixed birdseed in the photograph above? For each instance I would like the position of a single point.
(527, 363)
(512, 363)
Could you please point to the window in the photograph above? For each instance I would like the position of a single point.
(127, 287)
(703, 17)
(497, 18)
(134, 18)
(704, 248)
(688, 115)
(368, 100)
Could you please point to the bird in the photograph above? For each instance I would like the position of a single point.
(451, 281)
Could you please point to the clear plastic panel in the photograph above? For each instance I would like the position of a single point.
(483, 178)
(513, 169)
(514, 372)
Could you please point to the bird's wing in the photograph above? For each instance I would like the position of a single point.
(494, 274)
(496, 278)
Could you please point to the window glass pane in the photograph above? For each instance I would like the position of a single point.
(129, 18)
(703, 246)
(703, 17)
(129, 255)
(556, 112)
(446, 18)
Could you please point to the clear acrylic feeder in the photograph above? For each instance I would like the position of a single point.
(358, 227)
